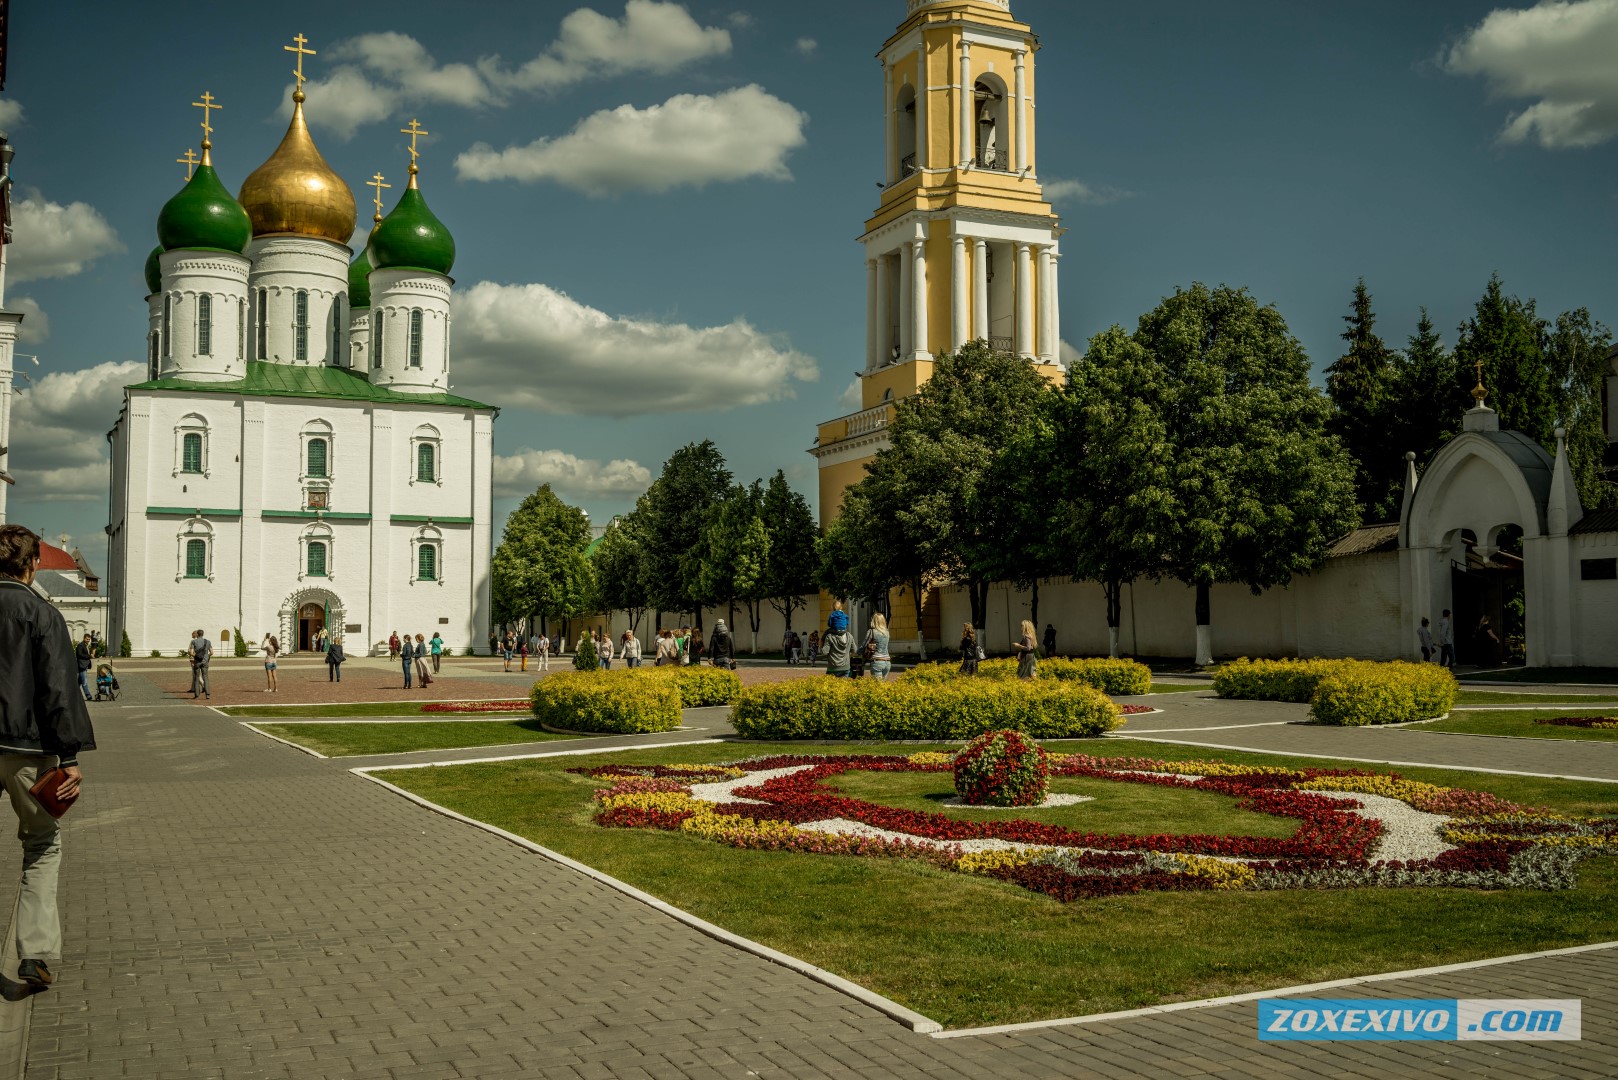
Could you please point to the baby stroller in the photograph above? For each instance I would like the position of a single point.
(106, 683)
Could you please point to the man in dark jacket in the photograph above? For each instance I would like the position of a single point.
(722, 648)
(85, 655)
(43, 724)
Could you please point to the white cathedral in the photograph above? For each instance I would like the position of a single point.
(295, 459)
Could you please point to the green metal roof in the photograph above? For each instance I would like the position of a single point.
(286, 380)
(203, 215)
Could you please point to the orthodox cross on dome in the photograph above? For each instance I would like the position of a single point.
(207, 106)
(414, 131)
(376, 182)
(1478, 392)
(190, 161)
(297, 47)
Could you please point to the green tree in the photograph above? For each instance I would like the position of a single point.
(1505, 339)
(732, 556)
(1576, 355)
(789, 569)
(240, 643)
(944, 442)
(539, 569)
(1360, 384)
(585, 658)
(1260, 488)
(1114, 505)
(619, 576)
(125, 646)
(1021, 487)
(1427, 397)
(676, 508)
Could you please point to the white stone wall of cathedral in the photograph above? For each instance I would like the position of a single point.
(247, 505)
(154, 334)
(396, 296)
(188, 277)
(359, 339)
(284, 267)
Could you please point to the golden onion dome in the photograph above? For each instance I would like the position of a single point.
(295, 192)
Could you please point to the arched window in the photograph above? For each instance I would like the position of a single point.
(904, 120)
(427, 562)
(427, 550)
(151, 354)
(196, 558)
(377, 319)
(191, 453)
(168, 318)
(426, 463)
(241, 329)
(300, 328)
(335, 359)
(415, 337)
(317, 458)
(262, 324)
(317, 558)
(989, 101)
(205, 325)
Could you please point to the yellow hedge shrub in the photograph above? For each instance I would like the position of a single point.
(1118, 677)
(699, 684)
(1344, 692)
(953, 710)
(618, 702)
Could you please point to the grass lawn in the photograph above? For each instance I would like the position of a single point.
(1494, 697)
(1520, 723)
(967, 950)
(1174, 688)
(1568, 675)
(348, 740)
(337, 712)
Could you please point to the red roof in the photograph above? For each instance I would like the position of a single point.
(52, 557)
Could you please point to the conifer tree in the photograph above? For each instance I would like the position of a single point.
(1427, 399)
(1508, 338)
(1360, 384)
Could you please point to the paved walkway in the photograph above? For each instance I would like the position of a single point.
(236, 909)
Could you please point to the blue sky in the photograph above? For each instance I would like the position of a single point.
(656, 204)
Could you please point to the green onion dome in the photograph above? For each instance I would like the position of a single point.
(203, 215)
(154, 272)
(359, 282)
(412, 238)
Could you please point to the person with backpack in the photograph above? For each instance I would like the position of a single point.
(722, 648)
(971, 651)
(839, 648)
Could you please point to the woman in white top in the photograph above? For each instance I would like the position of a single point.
(629, 649)
(272, 648)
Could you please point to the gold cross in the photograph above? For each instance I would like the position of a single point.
(376, 182)
(207, 106)
(298, 47)
(413, 131)
(1478, 393)
(189, 161)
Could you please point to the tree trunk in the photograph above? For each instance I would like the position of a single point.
(1114, 591)
(755, 617)
(921, 636)
(1204, 625)
(1033, 609)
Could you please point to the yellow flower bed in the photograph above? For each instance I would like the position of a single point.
(711, 826)
(933, 757)
(1407, 791)
(1218, 873)
(987, 862)
(669, 802)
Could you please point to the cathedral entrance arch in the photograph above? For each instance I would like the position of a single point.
(306, 612)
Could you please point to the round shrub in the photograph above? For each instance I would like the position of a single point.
(1120, 677)
(585, 659)
(1357, 693)
(1272, 680)
(950, 710)
(1002, 768)
(700, 686)
(617, 702)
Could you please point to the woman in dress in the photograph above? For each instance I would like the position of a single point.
(1027, 650)
(969, 650)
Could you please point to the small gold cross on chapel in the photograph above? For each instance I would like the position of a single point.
(376, 182)
(298, 47)
(414, 130)
(189, 161)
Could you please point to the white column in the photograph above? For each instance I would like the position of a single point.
(968, 143)
(9, 324)
(980, 288)
(889, 131)
(1047, 344)
(1024, 344)
(1056, 307)
(884, 314)
(922, 94)
(959, 300)
(907, 301)
(1022, 112)
(873, 356)
(918, 303)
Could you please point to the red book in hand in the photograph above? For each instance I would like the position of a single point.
(44, 792)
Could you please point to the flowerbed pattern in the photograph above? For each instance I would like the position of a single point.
(1600, 723)
(520, 705)
(1001, 768)
(1356, 828)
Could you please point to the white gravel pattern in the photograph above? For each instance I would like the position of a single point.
(724, 791)
(1407, 833)
(959, 803)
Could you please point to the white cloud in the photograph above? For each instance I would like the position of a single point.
(36, 325)
(655, 38)
(741, 20)
(379, 75)
(1080, 192)
(54, 241)
(805, 46)
(1067, 355)
(1559, 52)
(529, 346)
(58, 434)
(850, 398)
(10, 113)
(690, 139)
(520, 474)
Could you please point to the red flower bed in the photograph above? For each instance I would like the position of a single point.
(476, 706)
(1132, 710)
(1580, 721)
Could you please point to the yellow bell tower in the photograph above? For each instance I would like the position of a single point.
(963, 246)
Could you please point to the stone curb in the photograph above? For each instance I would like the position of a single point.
(913, 1020)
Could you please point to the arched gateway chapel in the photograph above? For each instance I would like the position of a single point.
(964, 246)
